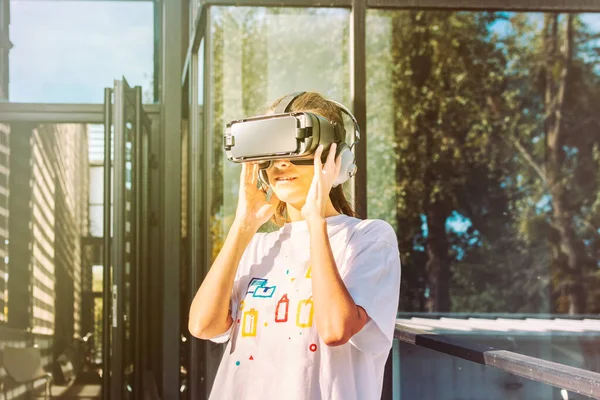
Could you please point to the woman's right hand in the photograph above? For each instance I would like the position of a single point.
(253, 209)
(209, 312)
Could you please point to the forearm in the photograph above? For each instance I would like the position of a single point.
(337, 317)
(209, 313)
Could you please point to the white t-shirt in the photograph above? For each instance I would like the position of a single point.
(275, 351)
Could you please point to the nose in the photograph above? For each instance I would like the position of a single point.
(282, 163)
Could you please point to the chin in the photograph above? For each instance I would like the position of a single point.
(290, 195)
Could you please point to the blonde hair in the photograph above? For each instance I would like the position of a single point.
(316, 103)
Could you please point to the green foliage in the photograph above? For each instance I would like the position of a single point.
(468, 131)
(460, 109)
(445, 65)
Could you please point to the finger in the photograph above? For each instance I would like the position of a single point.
(338, 165)
(313, 190)
(254, 176)
(244, 172)
(317, 161)
(330, 162)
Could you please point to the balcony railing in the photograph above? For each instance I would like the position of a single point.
(564, 377)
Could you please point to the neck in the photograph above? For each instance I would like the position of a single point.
(294, 211)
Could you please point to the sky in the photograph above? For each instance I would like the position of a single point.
(69, 51)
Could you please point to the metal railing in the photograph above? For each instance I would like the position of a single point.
(562, 376)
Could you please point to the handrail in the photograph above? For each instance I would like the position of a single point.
(573, 379)
(467, 315)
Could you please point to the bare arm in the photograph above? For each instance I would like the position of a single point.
(337, 317)
(209, 313)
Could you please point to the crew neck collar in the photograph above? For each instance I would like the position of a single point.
(300, 226)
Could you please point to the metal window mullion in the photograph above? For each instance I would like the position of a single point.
(358, 92)
(157, 50)
(118, 244)
(5, 46)
(205, 175)
(499, 5)
(59, 113)
(136, 167)
(145, 279)
(196, 36)
(281, 3)
(172, 51)
(106, 282)
(194, 183)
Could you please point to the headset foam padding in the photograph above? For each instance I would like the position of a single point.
(348, 168)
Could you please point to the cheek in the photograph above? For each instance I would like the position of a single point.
(307, 181)
(306, 172)
(307, 176)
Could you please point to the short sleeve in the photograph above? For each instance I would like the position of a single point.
(233, 307)
(371, 272)
(243, 266)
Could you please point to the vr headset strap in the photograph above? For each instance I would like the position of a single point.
(285, 103)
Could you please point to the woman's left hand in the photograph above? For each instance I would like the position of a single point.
(318, 194)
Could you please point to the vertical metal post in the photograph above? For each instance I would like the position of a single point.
(145, 278)
(154, 283)
(157, 83)
(206, 165)
(358, 91)
(193, 220)
(138, 249)
(387, 389)
(118, 279)
(195, 183)
(172, 66)
(5, 46)
(396, 378)
(106, 275)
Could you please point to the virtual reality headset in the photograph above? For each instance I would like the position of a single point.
(293, 136)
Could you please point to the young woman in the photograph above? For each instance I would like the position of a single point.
(309, 309)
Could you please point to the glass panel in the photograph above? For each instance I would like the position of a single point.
(46, 275)
(97, 343)
(97, 219)
(484, 154)
(96, 188)
(68, 51)
(201, 74)
(97, 282)
(4, 213)
(96, 158)
(259, 55)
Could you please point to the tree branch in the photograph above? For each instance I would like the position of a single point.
(514, 141)
(587, 222)
(540, 170)
(564, 77)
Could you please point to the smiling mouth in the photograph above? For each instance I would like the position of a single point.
(286, 179)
